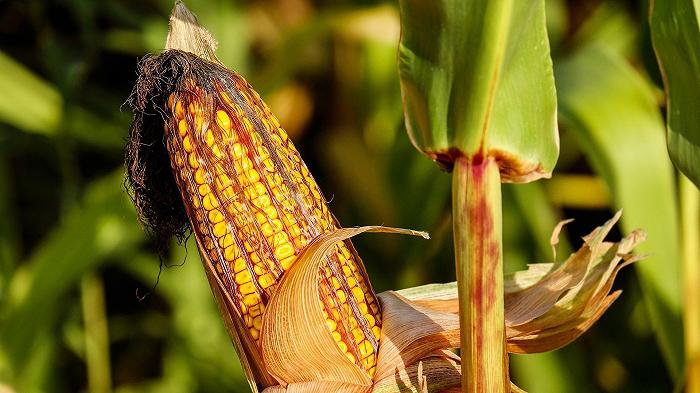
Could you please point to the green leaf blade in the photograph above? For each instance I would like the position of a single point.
(611, 110)
(675, 32)
(476, 79)
(28, 102)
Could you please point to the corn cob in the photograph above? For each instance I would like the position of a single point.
(254, 206)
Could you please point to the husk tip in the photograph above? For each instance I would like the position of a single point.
(186, 34)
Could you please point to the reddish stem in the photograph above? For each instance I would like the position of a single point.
(476, 199)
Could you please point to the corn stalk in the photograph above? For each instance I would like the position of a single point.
(479, 99)
(476, 203)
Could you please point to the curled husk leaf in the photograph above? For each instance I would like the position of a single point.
(547, 307)
(304, 350)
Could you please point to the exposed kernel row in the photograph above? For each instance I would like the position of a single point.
(255, 206)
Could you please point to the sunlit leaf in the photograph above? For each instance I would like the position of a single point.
(476, 77)
(611, 26)
(103, 224)
(27, 102)
(675, 32)
(208, 358)
(612, 110)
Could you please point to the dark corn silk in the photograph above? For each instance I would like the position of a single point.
(251, 201)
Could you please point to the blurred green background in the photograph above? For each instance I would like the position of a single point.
(83, 304)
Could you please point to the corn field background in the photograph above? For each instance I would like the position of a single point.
(84, 305)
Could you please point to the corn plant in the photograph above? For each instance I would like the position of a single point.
(84, 305)
(293, 292)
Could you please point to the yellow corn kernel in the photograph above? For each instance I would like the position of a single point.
(335, 282)
(358, 294)
(215, 216)
(230, 252)
(287, 262)
(246, 288)
(257, 322)
(332, 325)
(251, 300)
(223, 120)
(226, 241)
(218, 153)
(284, 251)
(242, 277)
(220, 229)
(266, 280)
(239, 265)
(237, 150)
(179, 110)
(223, 181)
(187, 144)
(376, 332)
(247, 124)
(199, 176)
(267, 229)
(204, 189)
(253, 176)
(341, 296)
(358, 334)
(365, 348)
(182, 127)
(192, 160)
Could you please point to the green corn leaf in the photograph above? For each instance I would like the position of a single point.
(612, 111)
(675, 33)
(27, 102)
(205, 359)
(476, 78)
(104, 224)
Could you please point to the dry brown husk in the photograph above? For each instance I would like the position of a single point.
(547, 306)
(291, 352)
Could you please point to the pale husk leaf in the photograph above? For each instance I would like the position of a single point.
(588, 295)
(318, 387)
(517, 281)
(440, 374)
(411, 332)
(443, 297)
(296, 343)
(532, 302)
(561, 312)
(554, 239)
(430, 291)
(186, 34)
(559, 336)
